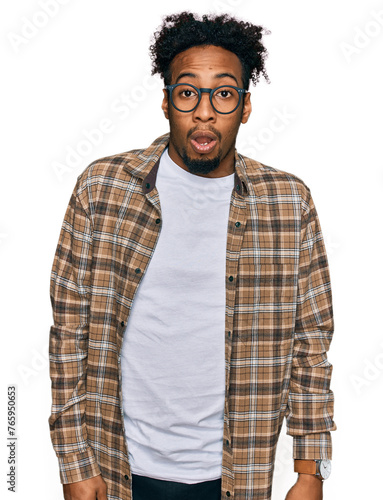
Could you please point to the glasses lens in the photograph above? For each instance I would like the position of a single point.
(185, 97)
(225, 99)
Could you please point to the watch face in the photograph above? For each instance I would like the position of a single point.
(325, 468)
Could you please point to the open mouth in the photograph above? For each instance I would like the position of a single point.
(203, 142)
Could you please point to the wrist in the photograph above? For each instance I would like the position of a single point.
(310, 479)
(320, 468)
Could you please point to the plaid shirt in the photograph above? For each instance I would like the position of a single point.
(278, 323)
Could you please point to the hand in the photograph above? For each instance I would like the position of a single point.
(307, 487)
(89, 489)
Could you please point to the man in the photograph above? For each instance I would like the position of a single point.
(191, 300)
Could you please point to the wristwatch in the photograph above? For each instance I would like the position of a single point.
(319, 468)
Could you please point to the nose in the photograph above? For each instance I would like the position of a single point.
(204, 111)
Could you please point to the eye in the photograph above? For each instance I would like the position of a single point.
(186, 93)
(224, 93)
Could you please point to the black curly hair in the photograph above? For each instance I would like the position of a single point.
(179, 32)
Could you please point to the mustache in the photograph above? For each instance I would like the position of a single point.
(210, 129)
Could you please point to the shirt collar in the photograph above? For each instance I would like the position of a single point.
(145, 165)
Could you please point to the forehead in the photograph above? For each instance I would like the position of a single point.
(206, 61)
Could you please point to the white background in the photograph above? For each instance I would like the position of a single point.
(62, 78)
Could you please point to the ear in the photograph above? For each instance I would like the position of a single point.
(165, 104)
(246, 108)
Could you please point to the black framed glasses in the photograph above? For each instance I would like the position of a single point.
(224, 99)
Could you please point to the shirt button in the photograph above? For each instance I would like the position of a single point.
(147, 185)
(228, 334)
(126, 477)
(231, 278)
(237, 188)
(227, 442)
(228, 493)
(237, 224)
(158, 221)
(122, 323)
(138, 270)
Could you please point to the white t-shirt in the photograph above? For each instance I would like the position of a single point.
(172, 357)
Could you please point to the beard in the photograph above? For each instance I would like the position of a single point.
(201, 167)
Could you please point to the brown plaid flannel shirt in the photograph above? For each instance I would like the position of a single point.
(278, 320)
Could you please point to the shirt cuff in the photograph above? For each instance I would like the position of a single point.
(76, 467)
(312, 446)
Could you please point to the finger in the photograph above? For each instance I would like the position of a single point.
(102, 492)
(101, 495)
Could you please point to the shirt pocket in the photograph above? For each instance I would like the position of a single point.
(276, 308)
(277, 282)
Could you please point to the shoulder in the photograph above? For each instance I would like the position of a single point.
(123, 167)
(109, 168)
(106, 179)
(269, 181)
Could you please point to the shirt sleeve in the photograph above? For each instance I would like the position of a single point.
(68, 345)
(310, 406)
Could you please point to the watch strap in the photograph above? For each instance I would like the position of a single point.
(305, 466)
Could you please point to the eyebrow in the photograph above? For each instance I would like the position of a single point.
(228, 75)
(219, 75)
(182, 75)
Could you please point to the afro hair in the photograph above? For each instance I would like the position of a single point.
(180, 32)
